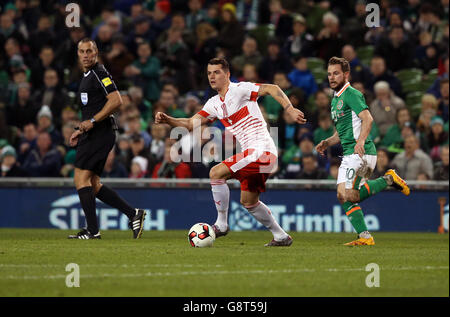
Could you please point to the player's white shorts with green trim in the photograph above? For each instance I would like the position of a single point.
(350, 165)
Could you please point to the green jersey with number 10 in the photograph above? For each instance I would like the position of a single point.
(345, 108)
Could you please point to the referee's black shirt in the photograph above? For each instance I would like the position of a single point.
(95, 85)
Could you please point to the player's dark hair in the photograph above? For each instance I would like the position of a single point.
(345, 66)
(220, 61)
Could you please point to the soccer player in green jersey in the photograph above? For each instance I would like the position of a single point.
(353, 122)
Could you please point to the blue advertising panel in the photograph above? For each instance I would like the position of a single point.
(303, 210)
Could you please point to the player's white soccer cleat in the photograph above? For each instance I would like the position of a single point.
(220, 233)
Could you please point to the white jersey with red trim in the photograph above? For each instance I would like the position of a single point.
(240, 114)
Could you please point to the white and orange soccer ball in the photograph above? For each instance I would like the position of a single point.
(201, 235)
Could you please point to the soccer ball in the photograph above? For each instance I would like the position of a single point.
(201, 235)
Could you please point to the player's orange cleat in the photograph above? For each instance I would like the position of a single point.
(361, 241)
(398, 182)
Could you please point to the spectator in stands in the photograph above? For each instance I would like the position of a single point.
(104, 38)
(325, 129)
(441, 167)
(142, 32)
(138, 167)
(435, 138)
(196, 14)
(157, 146)
(133, 126)
(358, 71)
(9, 165)
(275, 61)
(46, 60)
(300, 42)
(168, 103)
(161, 17)
(302, 77)
(69, 115)
(250, 55)
(311, 169)
(384, 106)
(28, 141)
(393, 139)
(435, 88)
(334, 168)
(368, 95)
(169, 169)
(272, 106)
(231, 32)
(45, 124)
(144, 72)
(329, 41)
(53, 95)
(113, 167)
(247, 13)
(426, 54)
(45, 160)
(118, 58)
(205, 47)
(291, 158)
(443, 100)
(396, 50)
(173, 55)
(355, 26)
(380, 73)
(24, 111)
(321, 105)
(192, 104)
(428, 111)
(413, 160)
(383, 163)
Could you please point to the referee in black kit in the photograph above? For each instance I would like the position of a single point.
(94, 138)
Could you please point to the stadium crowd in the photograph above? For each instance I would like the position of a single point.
(157, 53)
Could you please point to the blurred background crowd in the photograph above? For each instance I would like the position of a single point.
(157, 52)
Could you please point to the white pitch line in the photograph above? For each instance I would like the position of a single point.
(106, 265)
(169, 274)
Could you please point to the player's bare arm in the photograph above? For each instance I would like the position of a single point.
(112, 105)
(187, 123)
(366, 126)
(324, 144)
(278, 94)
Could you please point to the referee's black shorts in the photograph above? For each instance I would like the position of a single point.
(93, 148)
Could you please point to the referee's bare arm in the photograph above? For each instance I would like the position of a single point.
(112, 105)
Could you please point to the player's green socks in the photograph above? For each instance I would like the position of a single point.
(355, 215)
(372, 187)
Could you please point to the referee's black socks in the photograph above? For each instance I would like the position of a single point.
(110, 197)
(87, 199)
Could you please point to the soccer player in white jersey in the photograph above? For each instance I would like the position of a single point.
(236, 107)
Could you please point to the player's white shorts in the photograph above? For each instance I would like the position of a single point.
(349, 165)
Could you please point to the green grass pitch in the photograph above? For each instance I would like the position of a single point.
(162, 263)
